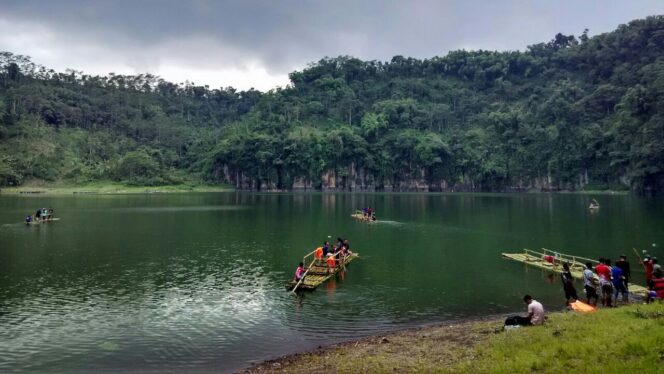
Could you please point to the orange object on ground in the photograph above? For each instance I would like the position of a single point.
(319, 253)
(580, 306)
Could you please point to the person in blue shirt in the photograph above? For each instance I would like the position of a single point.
(28, 220)
(618, 279)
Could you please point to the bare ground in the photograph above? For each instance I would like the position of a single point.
(425, 349)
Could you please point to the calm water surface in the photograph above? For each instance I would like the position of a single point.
(194, 282)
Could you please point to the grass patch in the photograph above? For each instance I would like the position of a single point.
(626, 339)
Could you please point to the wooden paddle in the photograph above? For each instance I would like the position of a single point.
(639, 257)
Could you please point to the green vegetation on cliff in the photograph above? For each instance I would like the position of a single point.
(571, 113)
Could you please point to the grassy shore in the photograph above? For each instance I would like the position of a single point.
(107, 187)
(625, 339)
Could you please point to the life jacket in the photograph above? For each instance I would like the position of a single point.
(331, 262)
(319, 253)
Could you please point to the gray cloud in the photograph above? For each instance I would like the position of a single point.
(280, 36)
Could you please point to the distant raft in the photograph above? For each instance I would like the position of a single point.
(38, 222)
(359, 215)
(553, 261)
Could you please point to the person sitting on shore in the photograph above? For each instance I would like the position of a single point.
(618, 285)
(603, 271)
(568, 285)
(535, 314)
(589, 285)
(299, 272)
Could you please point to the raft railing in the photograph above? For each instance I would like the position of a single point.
(561, 258)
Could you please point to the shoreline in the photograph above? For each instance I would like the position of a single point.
(109, 188)
(42, 188)
(464, 333)
(482, 345)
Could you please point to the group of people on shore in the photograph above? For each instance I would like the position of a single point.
(611, 281)
(329, 254)
(42, 214)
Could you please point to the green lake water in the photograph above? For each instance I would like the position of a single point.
(194, 282)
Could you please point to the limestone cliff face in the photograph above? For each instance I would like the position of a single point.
(351, 178)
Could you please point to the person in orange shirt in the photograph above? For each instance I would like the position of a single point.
(331, 263)
(319, 253)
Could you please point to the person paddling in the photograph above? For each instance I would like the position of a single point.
(299, 272)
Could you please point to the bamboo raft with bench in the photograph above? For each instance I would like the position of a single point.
(359, 215)
(553, 261)
(318, 272)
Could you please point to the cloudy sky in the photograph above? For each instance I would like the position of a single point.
(248, 43)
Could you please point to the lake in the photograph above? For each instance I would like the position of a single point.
(195, 282)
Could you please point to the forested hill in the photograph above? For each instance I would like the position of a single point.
(571, 113)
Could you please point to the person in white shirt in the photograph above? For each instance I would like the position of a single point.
(589, 284)
(535, 310)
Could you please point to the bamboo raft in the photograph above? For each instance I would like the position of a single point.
(360, 216)
(41, 221)
(318, 273)
(553, 262)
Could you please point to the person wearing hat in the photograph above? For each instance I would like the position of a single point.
(623, 264)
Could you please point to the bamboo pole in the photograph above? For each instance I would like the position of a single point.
(640, 259)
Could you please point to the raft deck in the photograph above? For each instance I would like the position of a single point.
(576, 265)
(320, 273)
(41, 221)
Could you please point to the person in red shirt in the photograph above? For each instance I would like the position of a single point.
(603, 270)
(648, 265)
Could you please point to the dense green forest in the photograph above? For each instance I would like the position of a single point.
(571, 113)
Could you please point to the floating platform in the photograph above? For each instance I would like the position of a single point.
(553, 262)
(41, 221)
(358, 215)
(320, 273)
